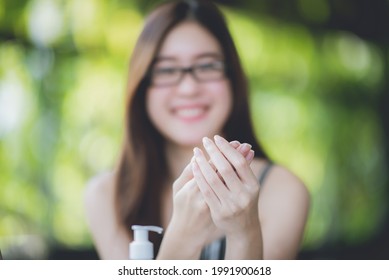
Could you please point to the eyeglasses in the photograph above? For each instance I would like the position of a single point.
(202, 72)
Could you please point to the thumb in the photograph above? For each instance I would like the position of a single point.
(186, 176)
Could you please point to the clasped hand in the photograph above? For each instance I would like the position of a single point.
(217, 193)
(230, 189)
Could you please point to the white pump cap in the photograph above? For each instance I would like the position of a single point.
(141, 248)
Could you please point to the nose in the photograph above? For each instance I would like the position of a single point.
(188, 86)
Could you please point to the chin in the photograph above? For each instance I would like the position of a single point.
(189, 143)
(188, 140)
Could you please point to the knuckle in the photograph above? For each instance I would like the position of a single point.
(240, 162)
(235, 209)
(207, 192)
(244, 201)
(203, 207)
(225, 169)
(214, 180)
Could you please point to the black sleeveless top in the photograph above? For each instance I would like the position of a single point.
(217, 249)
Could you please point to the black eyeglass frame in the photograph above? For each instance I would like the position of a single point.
(184, 70)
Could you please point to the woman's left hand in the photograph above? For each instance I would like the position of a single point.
(231, 191)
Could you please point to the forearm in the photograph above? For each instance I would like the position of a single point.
(247, 244)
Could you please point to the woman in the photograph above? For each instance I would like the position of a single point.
(186, 96)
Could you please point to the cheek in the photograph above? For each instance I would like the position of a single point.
(223, 94)
(154, 100)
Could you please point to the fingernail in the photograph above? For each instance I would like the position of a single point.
(250, 155)
(234, 143)
(206, 142)
(196, 151)
(245, 148)
(218, 139)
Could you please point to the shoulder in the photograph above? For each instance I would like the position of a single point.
(282, 184)
(99, 192)
(281, 190)
(284, 197)
(109, 235)
(277, 177)
(284, 204)
(100, 185)
(282, 176)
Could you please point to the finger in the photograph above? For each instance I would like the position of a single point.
(185, 176)
(236, 159)
(208, 193)
(217, 172)
(191, 185)
(209, 174)
(250, 156)
(244, 149)
(235, 144)
(225, 169)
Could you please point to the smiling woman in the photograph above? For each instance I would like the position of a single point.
(190, 160)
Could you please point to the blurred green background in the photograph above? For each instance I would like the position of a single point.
(318, 72)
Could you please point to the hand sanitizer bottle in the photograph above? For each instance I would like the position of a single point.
(141, 248)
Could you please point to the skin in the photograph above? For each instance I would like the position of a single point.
(213, 189)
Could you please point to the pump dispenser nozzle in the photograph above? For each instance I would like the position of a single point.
(141, 248)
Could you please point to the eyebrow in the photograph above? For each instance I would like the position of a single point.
(202, 55)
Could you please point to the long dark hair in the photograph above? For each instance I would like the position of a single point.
(142, 167)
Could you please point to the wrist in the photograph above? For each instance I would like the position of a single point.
(245, 234)
(176, 237)
(245, 244)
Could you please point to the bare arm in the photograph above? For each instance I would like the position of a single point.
(190, 224)
(283, 207)
(111, 239)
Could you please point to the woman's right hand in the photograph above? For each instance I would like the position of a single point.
(191, 223)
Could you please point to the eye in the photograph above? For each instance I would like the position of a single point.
(162, 71)
(210, 66)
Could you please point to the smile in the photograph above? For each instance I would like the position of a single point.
(191, 114)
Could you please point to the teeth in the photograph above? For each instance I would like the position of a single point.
(190, 113)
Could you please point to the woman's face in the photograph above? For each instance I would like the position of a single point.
(182, 107)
